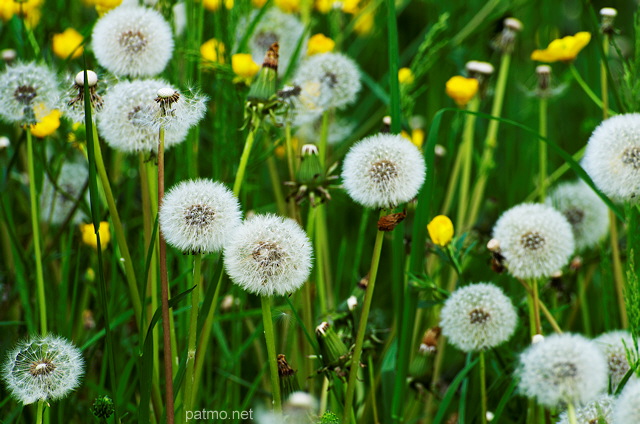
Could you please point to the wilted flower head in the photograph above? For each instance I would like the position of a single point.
(563, 49)
(268, 255)
(25, 87)
(585, 211)
(43, 368)
(627, 407)
(133, 41)
(564, 368)
(57, 201)
(74, 108)
(198, 216)
(383, 171)
(598, 411)
(477, 317)
(535, 240)
(612, 157)
(614, 345)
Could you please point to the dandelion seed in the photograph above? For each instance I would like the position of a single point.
(535, 240)
(478, 317)
(627, 408)
(57, 201)
(383, 171)
(43, 368)
(598, 411)
(614, 346)
(268, 255)
(198, 216)
(612, 157)
(133, 41)
(564, 368)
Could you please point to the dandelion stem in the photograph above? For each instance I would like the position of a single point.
(571, 411)
(324, 135)
(40, 411)
(244, 159)
(289, 150)
(585, 87)
(467, 159)
(617, 268)
(362, 326)
(193, 331)
(536, 305)
(271, 351)
(35, 226)
(582, 296)
(483, 388)
(542, 148)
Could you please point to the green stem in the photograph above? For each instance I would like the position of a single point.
(276, 184)
(193, 331)
(321, 240)
(603, 77)
(244, 159)
(536, 305)
(324, 136)
(618, 276)
(35, 226)
(40, 411)
(289, 150)
(271, 351)
(555, 175)
(467, 159)
(585, 87)
(582, 296)
(362, 327)
(571, 411)
(483, 388)
(394, 64)
(542, 149)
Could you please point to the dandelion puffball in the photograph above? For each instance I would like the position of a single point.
(536, 240)
(43, 368)
(614, 346)
(564, 368)
(612, 157)
(598, 411)
(133, 41)
(197, 216)
(627, 408)
(477, 317)
(58, 201)
(268, 255)
(383, 171)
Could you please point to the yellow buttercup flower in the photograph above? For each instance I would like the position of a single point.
(288, 6)
(563, 49)
(416, 137)
(440, 230)
(350, 6)
(320, 43)
(244, 66)
(68, 43)
(46, 125)
(214, 5)
(364, 23)
(89, 236)
(405, 76)
(103, 6)
(324, 6)
(281, 150)
(258, 3)
(213, 51)
(461, 89)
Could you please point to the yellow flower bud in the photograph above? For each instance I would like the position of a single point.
(405, 76)
(461, 89)
(440, 230)
(46, 125)
(563, 49)
(213, 51)
(244, 66)
(89, 236)
(68, 43)
(319, 43)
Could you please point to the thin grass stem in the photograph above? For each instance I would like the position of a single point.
(271, 352)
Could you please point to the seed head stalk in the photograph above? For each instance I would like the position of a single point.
(244, 159)
(271, 352)
(483, 387)
(467, 159)
(189, 397)
(542, 148)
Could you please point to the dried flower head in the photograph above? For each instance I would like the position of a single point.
(25, 87)
(478, 317)
(598, 411)
(535, 240)
(58, 201)
(383, 171)
(198, 216)
(564, 368)
(133, 41)
(43, 368)
(612, 157)
(268, 255)
(627, 407)
(615, 345)
(74, 108)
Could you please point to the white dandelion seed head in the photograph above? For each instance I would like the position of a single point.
(25, 87)
(614, 346)
(334, 77)
(268, 255)
(564, 368)
(197, 216)
(57, 201)
(612, 157)
(478, 317)
(626, 409)
(585, 211)
(133, 41)
(43, 368)
(130, 118)
(383, 171)
(536, 240)
(598, 411)
(339, 130)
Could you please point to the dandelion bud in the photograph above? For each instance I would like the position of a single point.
(608, 15)
(477, 69)
(506, 40)
(8, 56)
(92, 78)
(265, 84)
(352, 303)
(103, 407)
(288, 381)
(334, 351)
(440, 230)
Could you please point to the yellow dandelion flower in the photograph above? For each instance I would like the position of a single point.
(319, 43)
(405, 76)
(563, 49)
(324, 6)
(416, 137)
(288, 6)
(244, 66)
(103, 6)
(350, 6)
(89, 236)
(258, 3)
(440, 230)
(68, 43)
(461, 89)
(46, 125)
(214, 5)
(364, 23)
(213, 51)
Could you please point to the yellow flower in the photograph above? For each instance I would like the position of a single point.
(440, 230)
(68, 43)
(288, 6)
(405, 76)
(281, 150)
(244, 66)
(46, 124)
(89, 236)
(364, 23)
(213, 51)
(350, 6)
(324, 6)
(103, 6)
(214, 5)
(565, 49)
(416, 137)
(258, 3)
(319, 43)
(461, 89)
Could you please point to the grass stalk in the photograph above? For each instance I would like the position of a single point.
(189, 387)
(467, 160)
(585, 87)
(271, 352)
(483, 387)
(244, 159)
(542, 149)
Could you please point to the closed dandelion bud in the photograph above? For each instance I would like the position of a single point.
(627, 408)
(329, 418)
(564, 368)
(264, 86)
(440, 230)
(8, 56)
(103, 407)
(481, 71)
(617, 348)
(288, 380)
(608, 15)
(74, 108)
(506, 40)
(310, 167)
(334, 351)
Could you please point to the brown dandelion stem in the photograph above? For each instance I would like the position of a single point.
(271, 352)
(189, 386)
